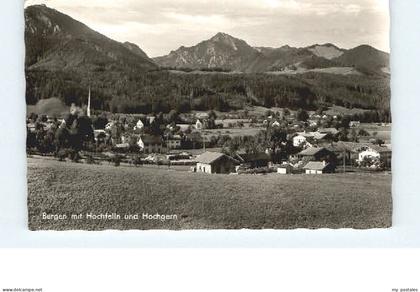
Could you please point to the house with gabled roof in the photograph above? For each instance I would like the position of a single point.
(313, 137)
(151, 144)
(318, 167)
(174, 142)
(215, 162)
(317, 154)
(361, 150)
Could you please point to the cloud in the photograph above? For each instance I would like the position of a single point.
(160, 26)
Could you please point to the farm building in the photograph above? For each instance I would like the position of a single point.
(285, 169)
(311, 137)
(151, 144)
(253, 160)
(215, 162)
(174, 142)
(342, 152)
(198, 125)
(316, 154)
(375, 152)
(358, 151)
(178, 156)
(318, 167)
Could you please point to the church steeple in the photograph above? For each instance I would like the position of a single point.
(88, 105)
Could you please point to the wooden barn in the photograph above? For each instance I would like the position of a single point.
(215, 162)
(317, 154)
(318, 167)
(253, 160)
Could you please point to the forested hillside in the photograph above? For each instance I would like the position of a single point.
(162, 90)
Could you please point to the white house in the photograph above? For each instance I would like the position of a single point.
(198, 125)
(285, 169)
(318, 167)
(299, 140)
(139, 125)
(368, 152)
(150, 144)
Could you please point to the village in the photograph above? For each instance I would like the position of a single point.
(278, 141)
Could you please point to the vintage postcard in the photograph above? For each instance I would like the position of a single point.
(183, 114)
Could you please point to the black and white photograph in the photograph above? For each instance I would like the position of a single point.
(223, 114)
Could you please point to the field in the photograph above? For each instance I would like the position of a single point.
(378, 131)
(203, 201)
(232, 132)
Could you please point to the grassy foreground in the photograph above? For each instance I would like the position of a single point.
(203, 201)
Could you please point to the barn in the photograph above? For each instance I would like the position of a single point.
(253, 160)
(285, 169)
(316, 154)
(215, 162)
(318, 167)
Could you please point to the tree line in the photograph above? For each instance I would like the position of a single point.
(162, 90)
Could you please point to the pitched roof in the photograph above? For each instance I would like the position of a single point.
(314, 135)
(122, 145)
(175, 137)
(316, 165)
(311, 151)
(248, 157)
(332, 131)
(210, 157)
(150, 139)
(319, 136)
(306, 134)
(357, 147)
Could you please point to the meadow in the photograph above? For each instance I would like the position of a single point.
(202, 201)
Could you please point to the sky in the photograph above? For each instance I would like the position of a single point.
(160, 26)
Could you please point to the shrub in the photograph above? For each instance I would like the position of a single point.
(74, 155)
(90, 159)
(62, 154)
(117, 160)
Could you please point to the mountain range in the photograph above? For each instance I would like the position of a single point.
(230, 53)
(65, 42)
(64, 58)
(56, 41)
